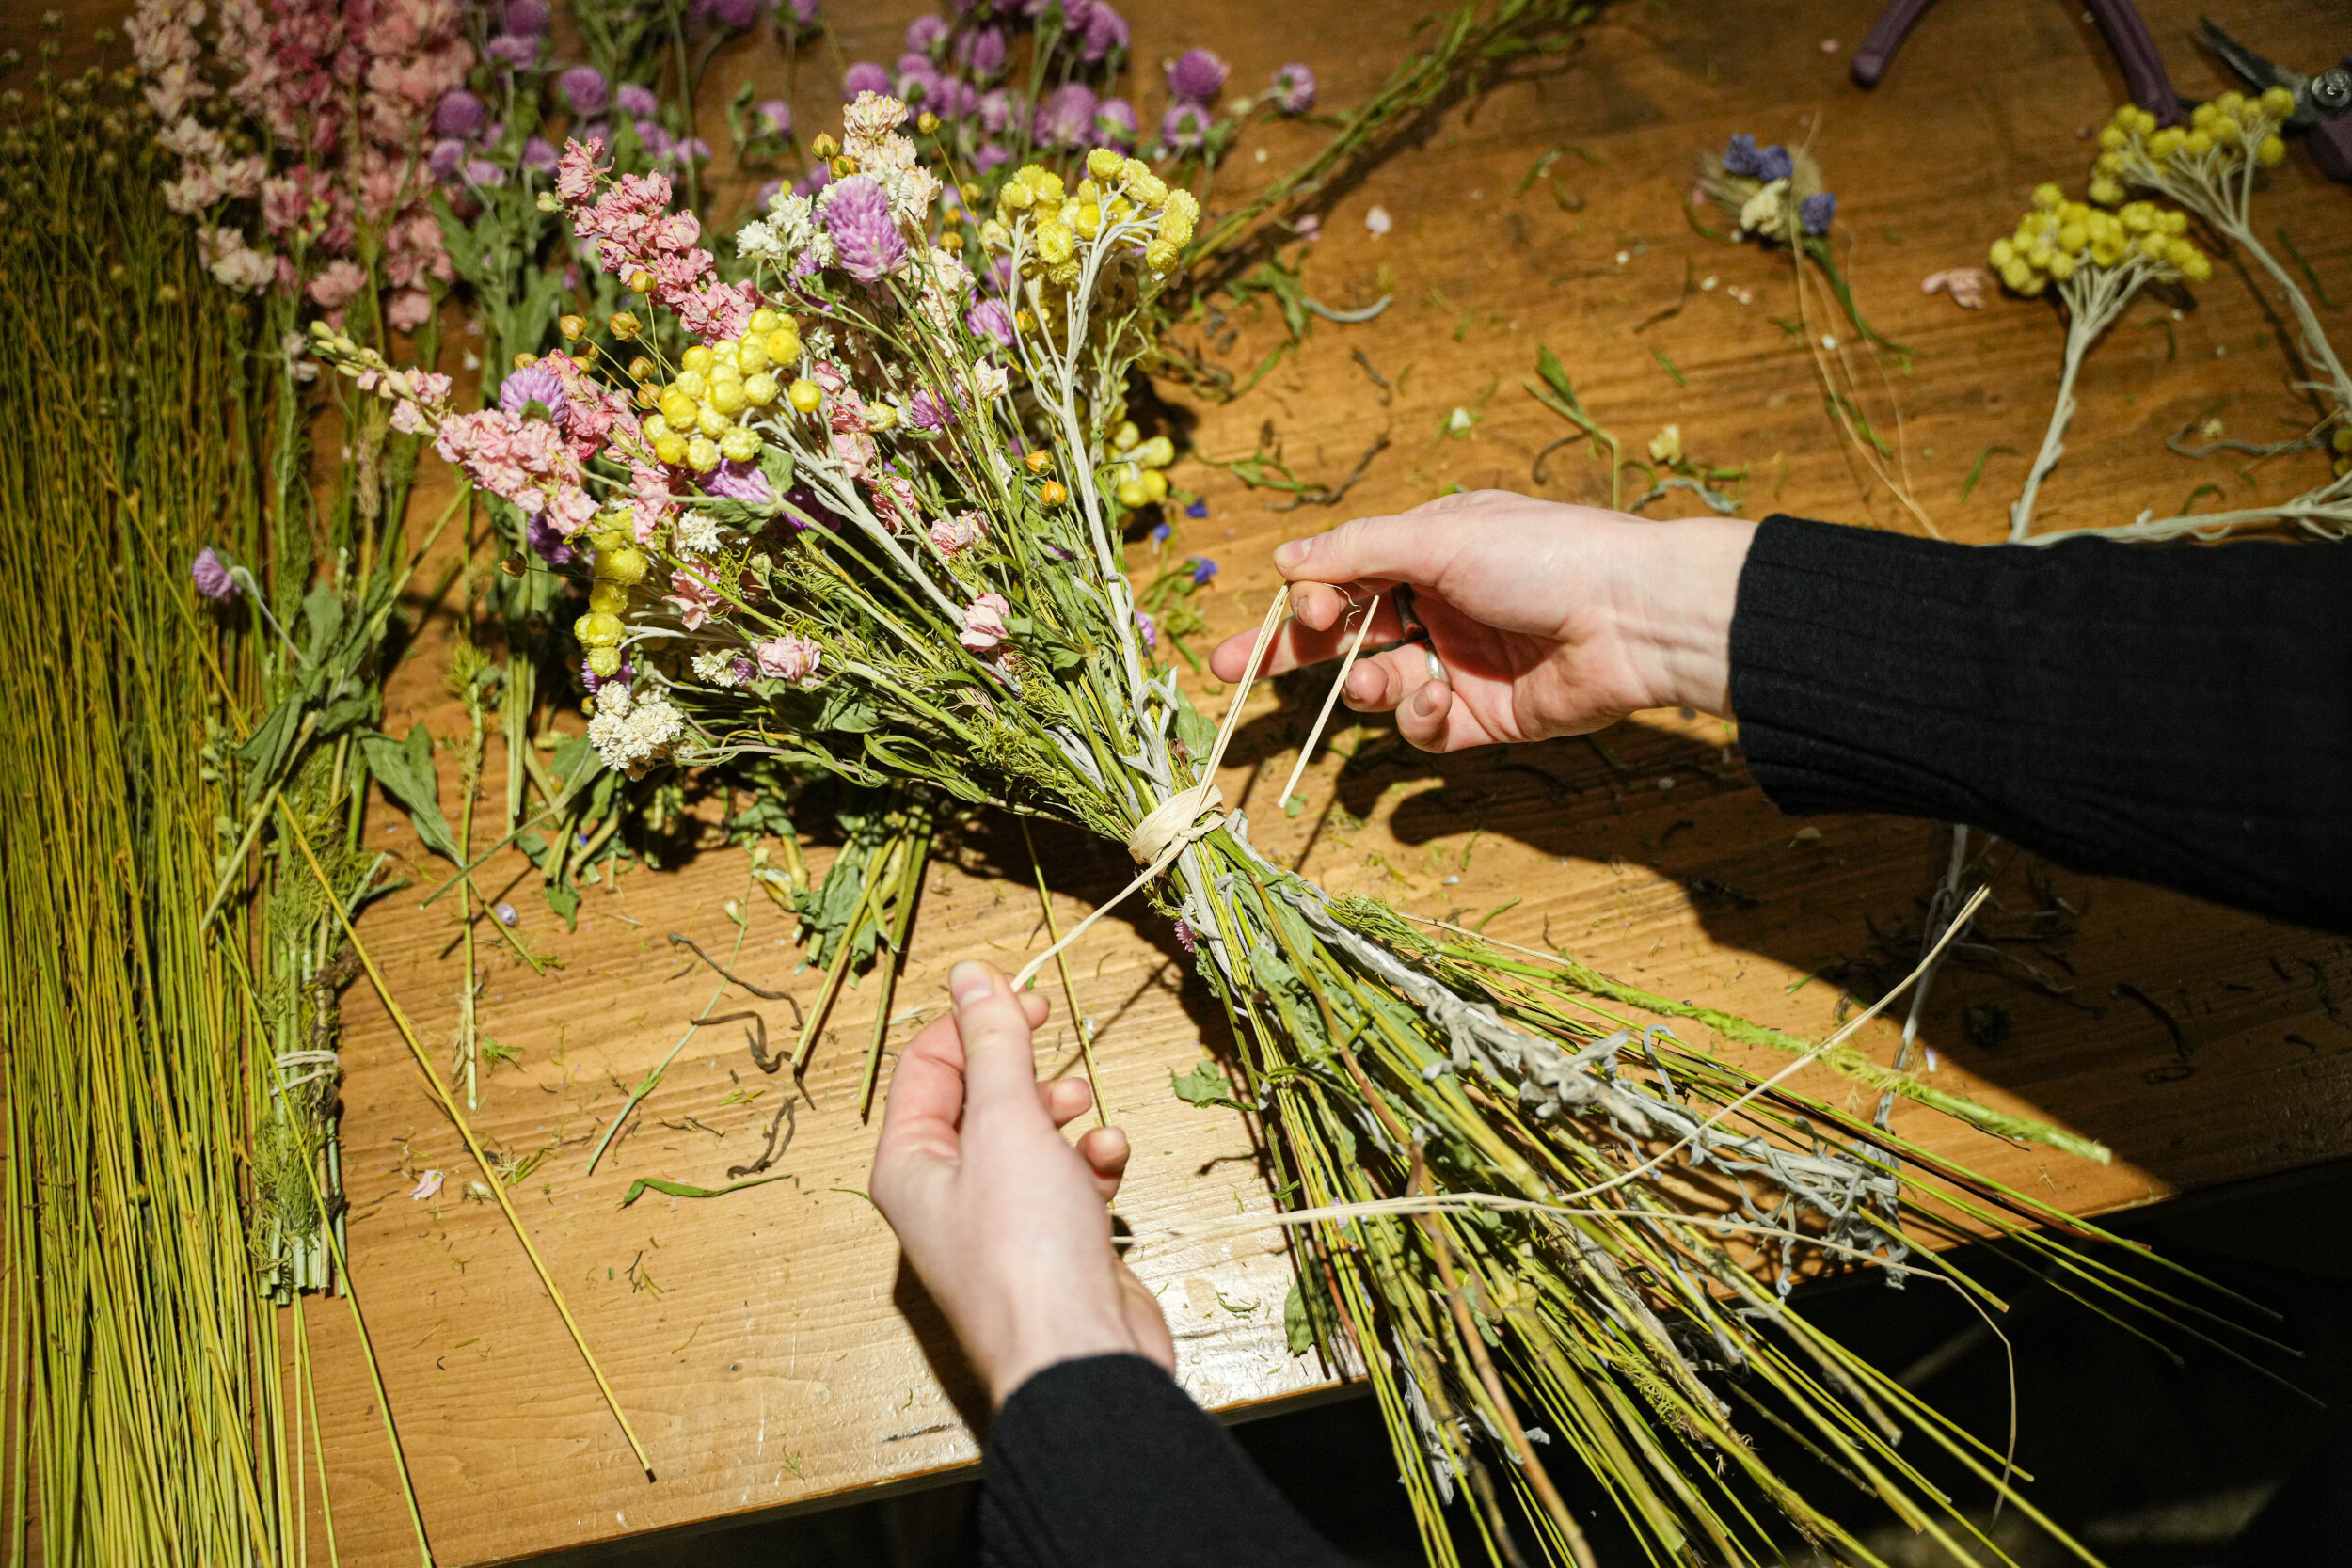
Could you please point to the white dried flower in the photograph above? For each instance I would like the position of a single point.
(631, 733)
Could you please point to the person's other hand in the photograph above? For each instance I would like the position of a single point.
(1005, 1222)
(1544, 618)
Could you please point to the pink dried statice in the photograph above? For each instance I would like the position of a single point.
(635, 231)
(865, 237)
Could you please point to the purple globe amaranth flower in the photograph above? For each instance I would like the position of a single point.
(804, 13)
(917, 80)
(957, 99)
(981, 51)
(864, 76)
(458, 114)
(446, 157)
(546, 538)
(1105, 30)
(1197, 76)
(999, 108)
(734, 15)
(519, 50)
(1816, 211)
(1066, 118)
(636, 101)
(483, 172)
(583, 88)
(990, 319)
(1148, 628)
(212, 578)
(988, 157)
(1115, 124)
(925, 33)
(741, 482)
(654, 139)
(529, 17)
(534, 384)
(539, 156)
(774, 116)
(1767, 163)
(865, 238)
(1294, 89)
(1185, 126)
(925, 411)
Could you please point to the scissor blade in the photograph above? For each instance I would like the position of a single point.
(2259, 71)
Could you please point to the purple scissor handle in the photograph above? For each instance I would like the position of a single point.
(2119, 20)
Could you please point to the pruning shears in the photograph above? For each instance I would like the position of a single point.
(2323, 104)
(2127, 33)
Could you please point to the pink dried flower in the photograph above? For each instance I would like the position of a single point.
(952, 535)
(1967, 286)
(985, 623)
(791, 658)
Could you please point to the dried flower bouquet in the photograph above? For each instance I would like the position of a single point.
(868, 522)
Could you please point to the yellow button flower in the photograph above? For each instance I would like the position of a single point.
(806, 395)
(625, 565)
(670, 447)
(739, 445)
(597, 630)
(761, 389)
(698, 357)
(1055, 242)
(607, 598)
(1103, 163)
(764, 321)
(701, 454)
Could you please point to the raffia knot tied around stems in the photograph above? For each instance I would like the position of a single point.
(1176, 820)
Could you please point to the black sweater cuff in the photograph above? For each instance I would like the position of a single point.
(2179, 714)
(1106, 1462)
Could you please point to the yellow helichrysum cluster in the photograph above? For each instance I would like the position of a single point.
(2056, 238)
(620, 565)
(1135, 475)
(2221, 134)
(701, 412)
(1115, 190)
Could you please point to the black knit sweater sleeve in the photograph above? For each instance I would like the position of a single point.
(2176, 714)
(1104, 1462)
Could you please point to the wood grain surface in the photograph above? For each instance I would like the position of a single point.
(769, 1346)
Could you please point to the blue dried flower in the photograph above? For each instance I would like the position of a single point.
(1816, 211)
(1199, 508)
(1767, 163)
(1202, 570)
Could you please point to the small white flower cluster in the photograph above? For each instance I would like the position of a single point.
(698, 532)
(720, 667)
(789, 231)
(632, 732)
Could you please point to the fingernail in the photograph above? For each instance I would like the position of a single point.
(1291, 554)
(1430, 701)
(969, 982)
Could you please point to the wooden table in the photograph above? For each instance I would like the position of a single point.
(769, 1346)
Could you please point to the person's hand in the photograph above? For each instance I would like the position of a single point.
(1543, 619)
(1005, 1222)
